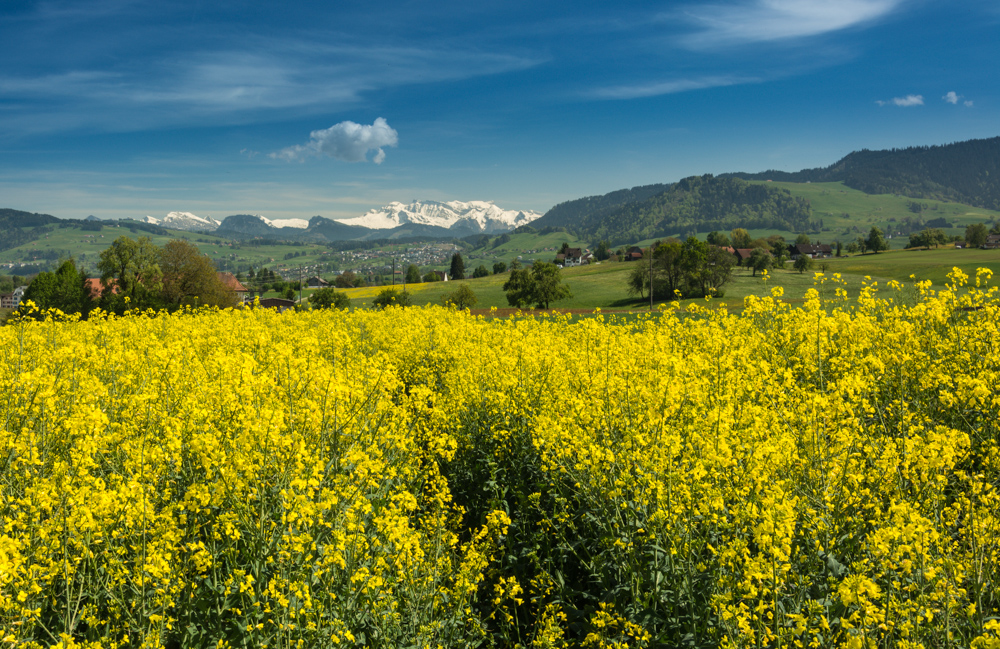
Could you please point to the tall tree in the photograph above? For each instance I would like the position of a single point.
(346, 279)
(669, 268)
(876, 241)
(760, 259)
(66, 290)
(130, 269)
(547, 284)
(190, 278)
(457, 267)
(518, 288)
(718, 239)
(741, 238)
(412, 274)
(976, 235)
(602, 252)
(803, 263)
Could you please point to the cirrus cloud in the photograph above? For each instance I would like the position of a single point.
(725, 24)
(346, 141)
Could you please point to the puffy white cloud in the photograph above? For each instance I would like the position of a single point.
(908, 100)
(772, 20)
(953, 97)
(345, 141)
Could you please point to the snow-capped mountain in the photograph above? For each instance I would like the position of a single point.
(184, 221)
(482, 216)
(302, 224)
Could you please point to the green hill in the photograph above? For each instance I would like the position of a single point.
(695, 204)
(965, 172)
(18, 228)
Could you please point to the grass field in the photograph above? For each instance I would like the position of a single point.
(848, 212)
(604, 285)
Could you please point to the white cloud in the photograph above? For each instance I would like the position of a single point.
(773, 20)
(908, 100)
(665, 87)
(345, 141)
(953, 97)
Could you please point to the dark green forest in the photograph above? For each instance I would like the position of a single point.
(695, 204)
(964, 172)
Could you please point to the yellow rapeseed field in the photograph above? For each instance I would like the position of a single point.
(823, 476)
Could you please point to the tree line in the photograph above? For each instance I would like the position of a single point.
(691, 268)
(134, 274)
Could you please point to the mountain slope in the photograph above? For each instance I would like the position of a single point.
(15, 224)
(964, 172)
(695, 204)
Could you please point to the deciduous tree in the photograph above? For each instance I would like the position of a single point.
(189, 277)
(976, 235)
(462, 297)
(760, 260)
(329, 298)
(130, 269)
(66, 290)
(392, 297)
(876, 241)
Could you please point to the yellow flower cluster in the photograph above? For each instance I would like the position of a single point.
(817, 476)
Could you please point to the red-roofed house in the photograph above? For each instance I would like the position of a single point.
(229, 281)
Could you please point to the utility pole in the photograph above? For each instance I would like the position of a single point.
(394, 272)
(650, 277)
(300, 283)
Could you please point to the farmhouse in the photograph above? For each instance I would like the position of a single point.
(229, 281)
(317, 282)
(817, 251)
(12, 300)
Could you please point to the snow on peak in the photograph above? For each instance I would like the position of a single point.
(183, 221)
(301, 224)
(484, 216)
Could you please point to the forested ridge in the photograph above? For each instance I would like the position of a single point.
(13, 224)
(964, 172)
(695, 204)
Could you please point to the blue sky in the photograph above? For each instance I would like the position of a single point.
(122, 108)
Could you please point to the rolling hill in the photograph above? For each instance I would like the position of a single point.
(964, 172)
(695, 204)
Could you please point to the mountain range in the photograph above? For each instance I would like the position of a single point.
(392, 221)
(964, 172)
